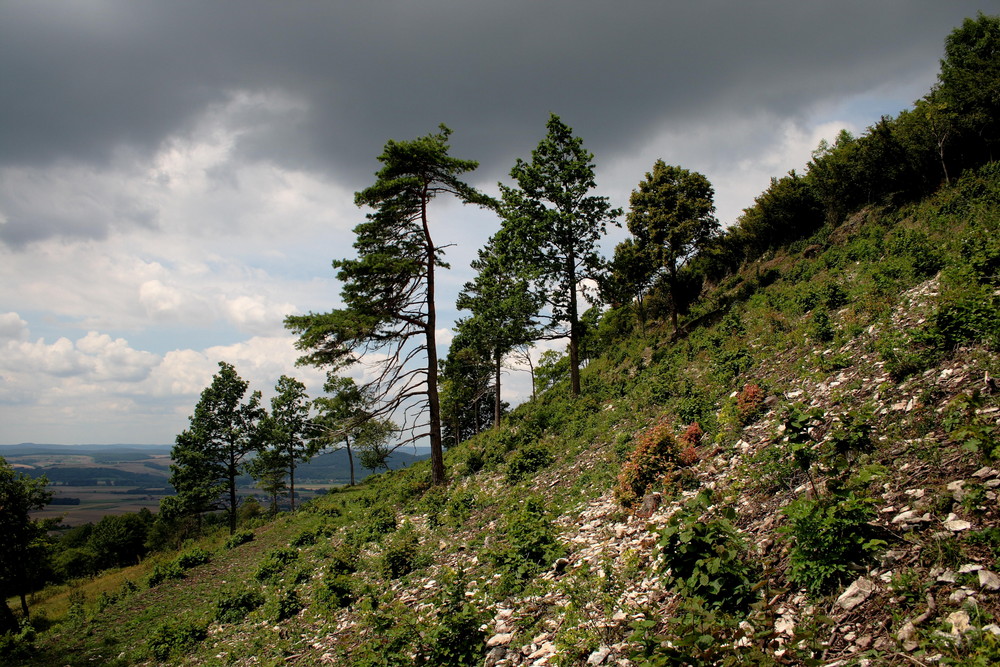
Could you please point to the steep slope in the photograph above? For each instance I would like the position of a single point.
(837, 503)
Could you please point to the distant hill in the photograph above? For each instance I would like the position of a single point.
(149, 465)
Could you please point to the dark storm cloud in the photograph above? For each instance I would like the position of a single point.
(81, 79)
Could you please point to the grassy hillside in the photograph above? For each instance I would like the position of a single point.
(836, 504)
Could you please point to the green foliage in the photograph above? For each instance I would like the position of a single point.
(234, 605)
(697, 635)
(971, 429)
(400, 553)
(335, 592)
(523, 463)
(829, 535)
(18, 645)
(164, 571)
(192, 557)
(172, 638)
(238, 538)
(285, 605)
(23, 548)
(376, 521)
(456, 639)
(275, 563)
(707, 559)
(527, 545)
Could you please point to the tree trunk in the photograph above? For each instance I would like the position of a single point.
(673, 296)
(291, 482)
(496, 401)
(574, 329)
(232, 497)
(350, 458)
(24, 603)
(433, 401)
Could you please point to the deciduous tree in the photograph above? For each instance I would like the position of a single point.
(671, 215)
(23, 544)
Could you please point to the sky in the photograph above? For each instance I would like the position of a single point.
(176, 177)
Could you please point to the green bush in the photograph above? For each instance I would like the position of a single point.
(456, 639)
(400, 553)
(233, 606)
(525, 462)
(274, 563)
(192, 558)
(161, 572)
(238, 538)
(18, 645)
(529, 545)
(174, 637)
(830, 535)
(707, 559)
(973, 431)
(336, 592)
(285, 605)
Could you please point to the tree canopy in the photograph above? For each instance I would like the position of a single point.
(22, 546)
(208, 456)
(671, 216)
(554, 226)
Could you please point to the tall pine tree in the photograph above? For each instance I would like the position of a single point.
(389, 290)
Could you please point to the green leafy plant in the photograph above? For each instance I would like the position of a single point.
(233, 606)
(400, 553)
(829, 536)
(525, 462)
(707, 558)
(238, 538)
(174, 637)
(192, 558)
(529, 545)
(456, 638)
(972, 430)
(275, 563)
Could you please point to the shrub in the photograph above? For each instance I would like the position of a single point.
(238, 538)
(192, 558)
(401, 553)
(377, 521)
(530, 545)
(233, 606)
(707, 559)
(285, 605)
(274, 564)
(457, 638)
(18, 645)
(651, 460)
(973, 431)
(524, 462)
(749, 403)
(175, 637)
(336, 592)
(161, 572)
(830, 535)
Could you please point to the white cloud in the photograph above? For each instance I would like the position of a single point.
(12, 327)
